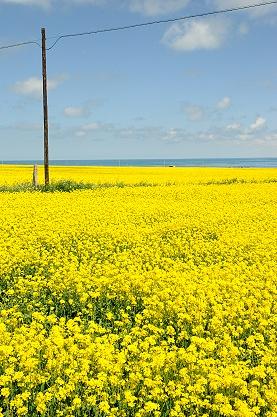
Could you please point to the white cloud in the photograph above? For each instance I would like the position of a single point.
(259, 123)
(53, 83)
(46, 4)
(240, 136)
(156, 7)
(173, 135)
(223, 104)
(80, 133)
(244, 136)
(40, 3)
(85, 129)
(91, 126)
(254, 12)
(227, 4)
(92, 2)
(233, 126)
(33, 86)
(76, 111)
(194, 113)
(197, 34)
(146, 7)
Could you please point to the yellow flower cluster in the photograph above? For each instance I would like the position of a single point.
(10, 174)
(140, 301)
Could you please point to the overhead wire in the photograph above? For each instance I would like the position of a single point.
(138, 25)
(157, 22)
(15, 45)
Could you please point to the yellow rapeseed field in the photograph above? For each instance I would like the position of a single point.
(100, 175)
(155, 300)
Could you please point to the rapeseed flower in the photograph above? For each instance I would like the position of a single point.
(140, 301)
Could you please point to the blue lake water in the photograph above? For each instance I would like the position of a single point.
(210, 162)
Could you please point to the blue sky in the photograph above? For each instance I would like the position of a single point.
(201, 88)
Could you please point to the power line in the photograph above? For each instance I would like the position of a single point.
(138, 25)
(156, 22)
(20, 44)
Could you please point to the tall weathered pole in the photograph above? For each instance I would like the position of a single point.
(45, 107)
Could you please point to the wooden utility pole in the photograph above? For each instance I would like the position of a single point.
(35, 176)
(45, 107)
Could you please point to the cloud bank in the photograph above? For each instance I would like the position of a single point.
(197, 34)
(32, 86)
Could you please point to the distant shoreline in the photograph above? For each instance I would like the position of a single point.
(178, 163)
